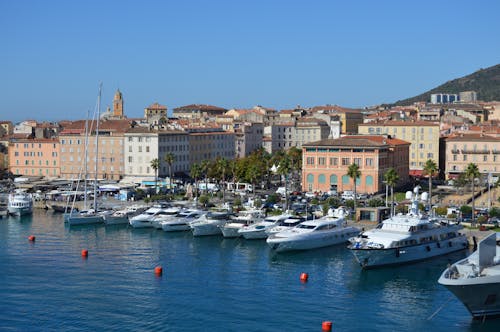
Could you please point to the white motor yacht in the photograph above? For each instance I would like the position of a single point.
(285, 224)
(144, 219)
(243, 219)
(182, 220)
(322, 232)
(475, 280)
(406, 238)
(208, 223)
(165, 215)
(258, 230)
(122, 216)
(20, 203)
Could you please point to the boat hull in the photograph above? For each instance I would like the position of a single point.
(205, 229)
(256, 233)
(373, 258)
(21, 211)
(116, 220)
(311, 240)
(478, 298)
(175, 227)
(73, 220)
(231, 230)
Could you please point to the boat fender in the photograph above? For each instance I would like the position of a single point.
(439, 245)
(397, 252)
(428, 248)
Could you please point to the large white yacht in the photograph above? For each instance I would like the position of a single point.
(208, 223)
(144, 220)
(406, 238)
(322, 232)
(123, 216)
(20, 203)
(286, 224)
(182, 220)
(244, 218)
(165, 215)
(475, 280)
(258, 230)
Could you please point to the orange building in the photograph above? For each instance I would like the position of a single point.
(325, 163)
(34, 157)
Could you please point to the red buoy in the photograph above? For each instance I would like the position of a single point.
(158, 271)
(326, 326)
(85, 253)
(304, 277)
(31, 238)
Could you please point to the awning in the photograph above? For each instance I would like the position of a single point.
(416, 173)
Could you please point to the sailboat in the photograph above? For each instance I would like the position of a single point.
(88, 215)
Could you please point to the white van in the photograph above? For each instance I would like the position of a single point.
(348, 195)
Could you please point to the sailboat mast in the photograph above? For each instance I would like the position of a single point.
(85, 161)
(97, 145)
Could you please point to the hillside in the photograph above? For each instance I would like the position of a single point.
(486, 82)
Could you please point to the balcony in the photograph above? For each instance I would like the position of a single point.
(455, 151)
(476, 151)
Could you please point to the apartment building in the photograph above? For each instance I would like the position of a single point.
(349, 118)
(248, 138)
(107, 146)
(142, 145)
(325, 163)
(34, 157)
(196, 111)
(210, 143)
(463, 149)
(423, 136)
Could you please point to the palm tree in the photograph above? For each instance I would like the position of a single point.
(205, 166)
(169, 158)
(430, 168)
(354, 173)
(195, 173)
(222, 165)
(391, 178)
(155, 164)
(472, 173)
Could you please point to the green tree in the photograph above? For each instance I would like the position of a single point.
(205, 166)
(169, 159)
(431, 169)
(196, 173)
(391, 178)
(354, 173)
(472, 173)
(155, 164)
(222, 166)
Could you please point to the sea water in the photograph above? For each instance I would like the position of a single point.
(208, 284)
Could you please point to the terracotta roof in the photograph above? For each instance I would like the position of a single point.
(200, 107)
(472, 137)
(156, 106)
(335, 108)
(359, 141)
(104, 125)
(402, 123)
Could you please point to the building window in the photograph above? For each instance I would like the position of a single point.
(485, 158)
(369, 180)
(322, 161)
(346, 161)
(345, 179)
(310, 161)
(333, 179)
(310, 178)
(369, 161)
(321, 178)
(334, 161)
(465, 157)
(357, 161)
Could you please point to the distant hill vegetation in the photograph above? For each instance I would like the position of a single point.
(486, 82)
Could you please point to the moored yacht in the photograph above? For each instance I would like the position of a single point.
(475, 280)
(242, 219)
(20, 203)
(165, 215)
(144, 219)
(182, 220)
(406, 238)
(83, 217)
(258, 230)
(322, 232)
(285, 224)
(122, 216)
(208, 223)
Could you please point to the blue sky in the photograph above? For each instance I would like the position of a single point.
(240, 54)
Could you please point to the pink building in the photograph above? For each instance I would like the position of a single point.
(34, 157)
(325, 163)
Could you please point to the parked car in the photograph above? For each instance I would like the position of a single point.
(347, 195)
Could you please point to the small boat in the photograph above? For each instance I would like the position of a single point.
(258, 230)
(475, 280)
(122, 216)
(165, 215)
(144, 220)
(406, 238)
(322, 232)
(20, 203)
(208, 223)
(182, 220)
(243, 219)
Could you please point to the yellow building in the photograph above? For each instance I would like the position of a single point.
(423, 136)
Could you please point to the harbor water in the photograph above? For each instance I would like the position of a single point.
(208, 284)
